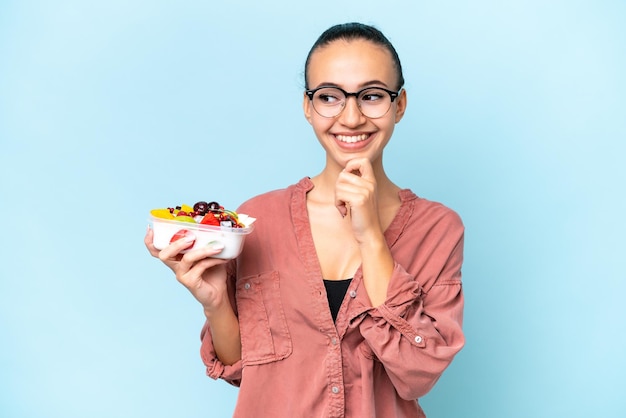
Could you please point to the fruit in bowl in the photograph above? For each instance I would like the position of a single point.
(208, 222)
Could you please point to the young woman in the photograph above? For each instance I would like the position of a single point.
(346, 300)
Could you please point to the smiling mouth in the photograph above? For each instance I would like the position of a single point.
(351, 139)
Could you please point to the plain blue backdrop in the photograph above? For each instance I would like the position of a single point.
(516, 119)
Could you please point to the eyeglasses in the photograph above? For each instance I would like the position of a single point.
(373, 102)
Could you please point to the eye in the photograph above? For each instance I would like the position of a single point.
(329, 96)
(372, 96)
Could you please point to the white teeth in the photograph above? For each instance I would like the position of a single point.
(351, 139)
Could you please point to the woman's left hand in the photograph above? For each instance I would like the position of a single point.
(356, 198)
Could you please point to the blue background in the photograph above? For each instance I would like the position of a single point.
(516, 119)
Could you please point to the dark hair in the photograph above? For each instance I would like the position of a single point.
(353, 31)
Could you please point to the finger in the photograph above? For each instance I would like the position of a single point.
(193, 256)
(361, 167)
(353, 189)
(348, 182)
(342, 207)
(194, 274)
(346, 188)
(147, 240)
(173, 250)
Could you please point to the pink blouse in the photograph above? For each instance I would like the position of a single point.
(371, 362)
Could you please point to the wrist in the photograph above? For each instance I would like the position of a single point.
(373, 242)
(216, 309)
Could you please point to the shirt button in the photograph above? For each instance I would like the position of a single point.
(353, 293)
(335, 389)
(418, 339)
(246, 286)
(333, 341)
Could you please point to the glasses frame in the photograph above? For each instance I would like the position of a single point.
(392, 94)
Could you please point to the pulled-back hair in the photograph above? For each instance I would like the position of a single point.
(350, 32)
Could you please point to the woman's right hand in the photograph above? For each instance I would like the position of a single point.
(202, 274)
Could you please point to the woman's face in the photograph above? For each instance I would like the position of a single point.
(352, 66)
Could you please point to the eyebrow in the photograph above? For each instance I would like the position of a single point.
(361, 86)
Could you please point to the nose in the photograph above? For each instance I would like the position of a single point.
(351, 114)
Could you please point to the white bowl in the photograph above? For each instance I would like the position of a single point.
(231, 238)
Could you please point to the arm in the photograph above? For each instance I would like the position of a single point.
(377, 266)
(206, 278)
(224, 329)
(356, 196)
(417, 332)
(216, 368)
(414, 303)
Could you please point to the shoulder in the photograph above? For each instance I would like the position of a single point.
(439, 211)
(431, 213)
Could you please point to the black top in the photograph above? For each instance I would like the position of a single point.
(336, 291)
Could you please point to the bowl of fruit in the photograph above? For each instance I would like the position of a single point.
(209, 223)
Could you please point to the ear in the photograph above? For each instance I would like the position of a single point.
(401, 103)
(306, 106)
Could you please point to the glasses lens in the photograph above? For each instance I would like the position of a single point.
(374, 103)
(329, 102)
